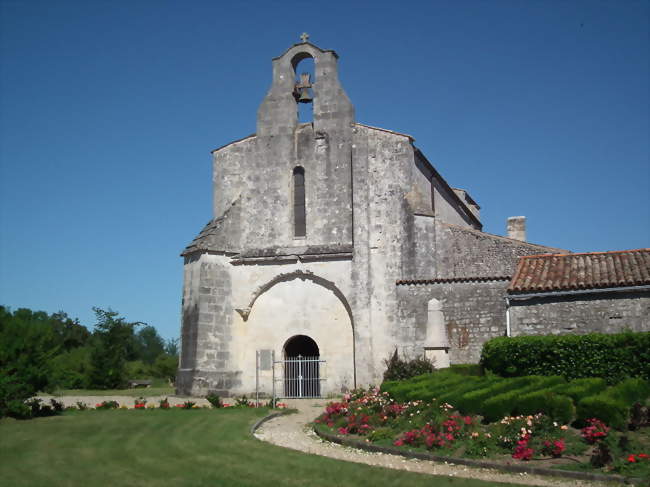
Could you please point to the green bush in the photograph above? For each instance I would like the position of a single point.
(613, 412)
(505, 404)
(613, 405)
(630, 391)
(612, 357)
(472, 401)
(214, 400)
(70, 369)
(467, 369)
(557, 407)
(429, 385)
(453, 395)
(579, 388)
(400, 369)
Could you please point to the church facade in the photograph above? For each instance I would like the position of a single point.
(337, 240)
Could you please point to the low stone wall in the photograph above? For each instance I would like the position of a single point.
(582, 313)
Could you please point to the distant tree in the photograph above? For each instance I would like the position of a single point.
(71, 333)
(27, 343)
(148, 345)
(71, 369)
(171, 347)
(165, 366)
(111, 340)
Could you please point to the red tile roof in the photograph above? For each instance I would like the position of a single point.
(594, 270)
(446, 280)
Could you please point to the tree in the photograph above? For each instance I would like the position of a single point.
(27, 343)
(148, 345)
(71, 333)
(165, 366)
(171, 347)
(112, 337)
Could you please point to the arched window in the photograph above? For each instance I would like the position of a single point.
(299, 215)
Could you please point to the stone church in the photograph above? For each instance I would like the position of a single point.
(337, 241)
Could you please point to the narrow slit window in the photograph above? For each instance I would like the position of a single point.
(299, 215)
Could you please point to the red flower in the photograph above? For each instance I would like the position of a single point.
(597, 430)
(631, 459)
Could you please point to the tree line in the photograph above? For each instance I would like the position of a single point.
(44, 352)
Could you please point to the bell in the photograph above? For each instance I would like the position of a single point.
(304, 96)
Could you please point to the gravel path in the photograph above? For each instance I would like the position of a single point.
(292, 431)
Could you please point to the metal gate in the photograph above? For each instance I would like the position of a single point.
(300, 376)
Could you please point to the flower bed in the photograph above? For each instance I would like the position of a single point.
(375, 417)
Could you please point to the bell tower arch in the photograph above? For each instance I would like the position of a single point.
(333, 110)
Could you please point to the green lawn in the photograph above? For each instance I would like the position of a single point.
(173, 447)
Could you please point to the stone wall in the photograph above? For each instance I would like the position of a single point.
(473, 312)
(464, 252)
(207, 327)
(583, 313)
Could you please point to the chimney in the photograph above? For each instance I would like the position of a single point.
(517, 228)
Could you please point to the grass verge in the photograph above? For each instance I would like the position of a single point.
(174, 447)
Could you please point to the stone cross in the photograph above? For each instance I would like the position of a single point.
(304, 37)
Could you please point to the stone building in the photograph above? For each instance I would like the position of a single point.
(337, 240)
(601, 292)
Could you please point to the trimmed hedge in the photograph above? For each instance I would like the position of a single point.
(494, 397)
(613, 405)
(558, 407)
(506, 404)
(472, 402)
(611, 357)
(581, 388)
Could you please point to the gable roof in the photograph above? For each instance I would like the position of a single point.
(593, 270)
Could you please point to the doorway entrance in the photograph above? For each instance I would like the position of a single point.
(301, 367)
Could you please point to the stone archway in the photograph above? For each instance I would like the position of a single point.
(297, 304)
(301, 367)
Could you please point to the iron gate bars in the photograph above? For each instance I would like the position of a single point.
(301, 376)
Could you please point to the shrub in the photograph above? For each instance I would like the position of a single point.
(557, 407)
(613, 405)
(630, 391)
(505, 404)
(107, 405)
(453, 394)
(467, 369)
(472, 401)
(579, 388)
(400, 369)
(612, 357)
(214, 400)
(612, 411)
(242, 402)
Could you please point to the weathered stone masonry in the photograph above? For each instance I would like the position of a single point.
(392, 257)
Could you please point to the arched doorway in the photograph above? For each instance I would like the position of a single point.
(301, 367)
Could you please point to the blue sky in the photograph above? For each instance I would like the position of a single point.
(109, 110)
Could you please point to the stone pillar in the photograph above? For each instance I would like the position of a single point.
(436, 345)
(517, 228)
